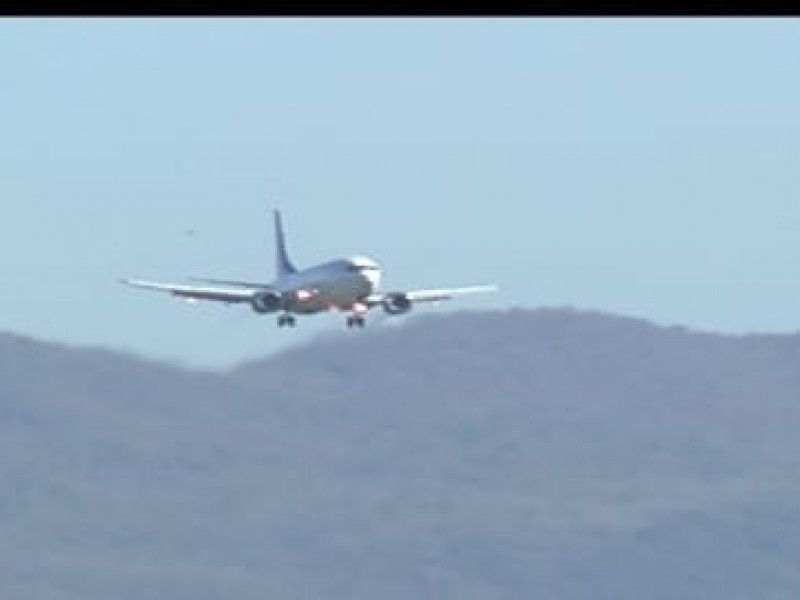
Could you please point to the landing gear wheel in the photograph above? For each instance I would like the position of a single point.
(355, 321)
(286, 319)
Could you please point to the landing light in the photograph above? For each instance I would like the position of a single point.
(303, 295)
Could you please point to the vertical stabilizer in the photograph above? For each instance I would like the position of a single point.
(283, 264)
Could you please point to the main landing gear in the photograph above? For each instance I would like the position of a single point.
(286, 319)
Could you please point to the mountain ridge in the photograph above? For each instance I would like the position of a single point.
(562, 314)
(512, 454)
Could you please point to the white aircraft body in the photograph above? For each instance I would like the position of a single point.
(347, 284)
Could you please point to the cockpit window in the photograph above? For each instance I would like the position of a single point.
(356, 268)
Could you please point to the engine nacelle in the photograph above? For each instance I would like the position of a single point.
(265, 302)
(396, 303)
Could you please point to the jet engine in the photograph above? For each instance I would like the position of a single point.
(265, 302)
(396, 303)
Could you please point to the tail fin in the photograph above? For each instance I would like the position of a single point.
(282, 262)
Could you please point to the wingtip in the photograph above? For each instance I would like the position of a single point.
(484, 288)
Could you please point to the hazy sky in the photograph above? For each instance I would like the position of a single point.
(648, 167)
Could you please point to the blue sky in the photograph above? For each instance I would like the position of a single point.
(647, 167)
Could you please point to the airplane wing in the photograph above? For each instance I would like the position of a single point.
(225, 294)
(447, 294)
(430, 295)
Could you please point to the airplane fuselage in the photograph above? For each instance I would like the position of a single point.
(334, 285)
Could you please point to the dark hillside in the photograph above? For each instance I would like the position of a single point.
(517, 454)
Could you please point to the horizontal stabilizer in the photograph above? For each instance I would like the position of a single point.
(244, 284)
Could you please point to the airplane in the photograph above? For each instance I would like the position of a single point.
(349, 284)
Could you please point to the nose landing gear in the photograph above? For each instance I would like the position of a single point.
(356, 318)
(355, 321)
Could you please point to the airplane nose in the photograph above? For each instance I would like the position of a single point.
(374, 278)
